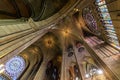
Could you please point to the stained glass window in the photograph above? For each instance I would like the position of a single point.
(103, 8)
(106, 19)
(90, 21)
(105, 16)
(2, 77)
(14, 67)
(100, 2)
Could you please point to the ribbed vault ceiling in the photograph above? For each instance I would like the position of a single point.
(37, 9)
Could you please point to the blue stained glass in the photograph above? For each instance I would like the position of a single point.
(108, 21)
(108, 25)
(112, 34)
(97, 0)
(103, 8)
(14, 67)
(91, 22)
(111, 31)
(2, 77)
(109, 28)
(106, 16)
(100, 0)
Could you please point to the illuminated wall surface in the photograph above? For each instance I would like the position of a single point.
(106, 20)
(14, 67)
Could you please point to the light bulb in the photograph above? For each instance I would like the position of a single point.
(87, 75)
(99, 71)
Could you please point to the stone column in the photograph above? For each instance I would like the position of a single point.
(42, 69)
(41, 72)
(62, 77)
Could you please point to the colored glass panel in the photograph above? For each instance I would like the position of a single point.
(14, 67)
(106, 19)
(100, 2)
(105, 16)
(2, 77)
(90, 21)
(103, 8)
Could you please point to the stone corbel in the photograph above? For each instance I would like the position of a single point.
(32, 24)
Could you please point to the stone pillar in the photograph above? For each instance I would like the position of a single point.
(79, 65)
(42, 69)
(32, 24)
(41, 72)
(62, 77)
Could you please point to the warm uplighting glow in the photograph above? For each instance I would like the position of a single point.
(49, 42)
(59, 59)
(25, 56)
(75, 9)
(2, 68)
(76, 78)
(66, 32)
